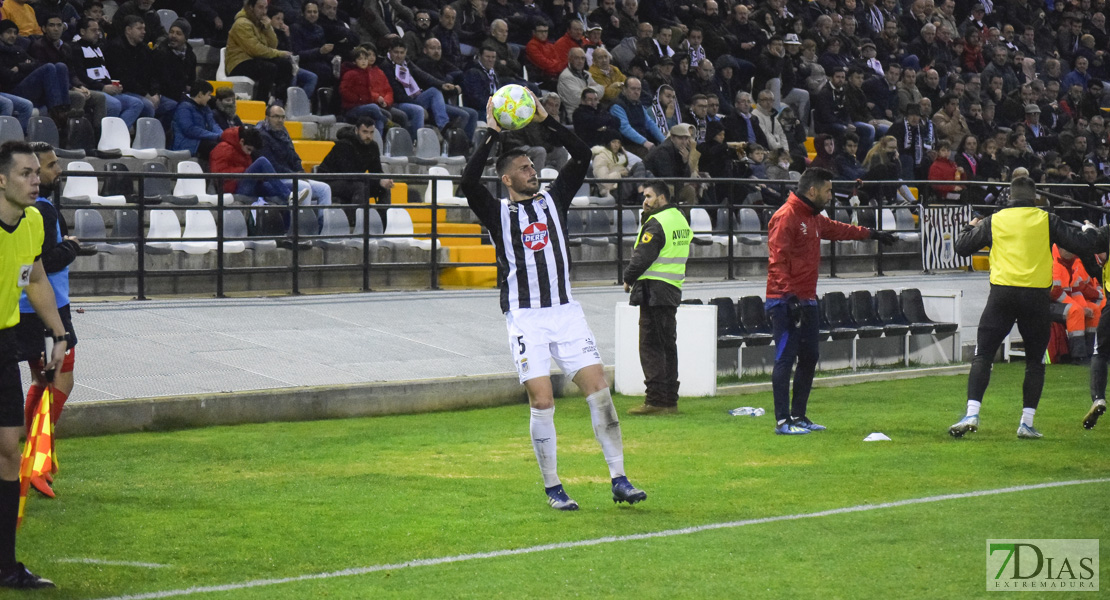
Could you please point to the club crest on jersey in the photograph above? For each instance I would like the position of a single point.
(534, 236)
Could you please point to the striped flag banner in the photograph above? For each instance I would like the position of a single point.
(939, 227)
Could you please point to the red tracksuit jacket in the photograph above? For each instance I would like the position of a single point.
(794, 244)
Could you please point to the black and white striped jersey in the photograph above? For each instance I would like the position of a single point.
(533, 263)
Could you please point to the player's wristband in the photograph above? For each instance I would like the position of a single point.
(59, 338)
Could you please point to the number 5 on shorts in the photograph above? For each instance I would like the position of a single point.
(520, 342)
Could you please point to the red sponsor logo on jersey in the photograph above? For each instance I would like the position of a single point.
(534, 236)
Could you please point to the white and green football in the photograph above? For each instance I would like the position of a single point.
(513, 107)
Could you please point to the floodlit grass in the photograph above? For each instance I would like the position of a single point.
(226, 505)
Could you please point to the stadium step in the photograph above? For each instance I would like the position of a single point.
(451, 228)
(468, 277)
(472, 254)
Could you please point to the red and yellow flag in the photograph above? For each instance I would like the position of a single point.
(38, 452)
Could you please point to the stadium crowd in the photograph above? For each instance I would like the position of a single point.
(920, 89)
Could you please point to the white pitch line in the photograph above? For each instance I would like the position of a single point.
(428, 562)
(112, 563)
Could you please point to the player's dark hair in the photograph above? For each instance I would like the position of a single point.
(132, 20)
(200, 86)
(660, 188)
(814, 177)
(250, 136)
(505, 159)
(41, 147)
(1022, 189)
(7, 152)
(365, 122)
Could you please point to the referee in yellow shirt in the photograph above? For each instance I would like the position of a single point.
(1021, 238)
(21, 236)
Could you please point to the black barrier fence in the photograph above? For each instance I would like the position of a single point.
(729, 213)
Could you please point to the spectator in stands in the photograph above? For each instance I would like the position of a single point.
(366, 93)
(41, 83)
(448, 38)
(415, 37)
(144, 9)
(234, 154)
(87, 64)
(882, 94)
(175, 61)
(225, 110)
(882, 163)
(592, 124)
(507, 53)
(638, 134)
(480, 81)
(662, 73)
(432, 61)
(277, 147)
(1078, 76)
(411, 85)
(1000, 66)
(131, 62)
(66, 11)
(671, 159)
(944, 169)
(576, 78)
(381, 18)
(835, 113)
(949, 123)
(302, 78)
(336, 31)
(665, 110)
(606, 74)
(766, 118)
(356, 152)
(741, 126)
(22, 14)
(611, 161)
(776, 73)
(309, 43)
(252, 52)
(471, 25)
(49, 49)
(914, 142)
(543, 53)
(94, 9)
(194, 126)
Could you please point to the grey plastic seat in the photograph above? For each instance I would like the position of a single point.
(235, 228)
(88, 224)
(299, 108)
(335, 223)
(10, 129)
(43, 129)
(149, 134)
(429, 148)
(161, 188)
(399, 152)
(376, 227)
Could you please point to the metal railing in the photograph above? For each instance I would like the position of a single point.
(298, 244)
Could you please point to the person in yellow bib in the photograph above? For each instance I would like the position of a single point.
(654, 276)
(21, 236)
(1020, 237)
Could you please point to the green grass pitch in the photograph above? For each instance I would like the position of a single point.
(228, 505)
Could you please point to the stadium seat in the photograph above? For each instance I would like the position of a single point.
(630, 226)
(243, 86)
(599, 228)
(82, 136)
(547, 175)
(702, 226)
(751, 229)
(839, 320)
(202, 224)
(160, 189)
(149, 134)
(889, 310)
(43, 129)
(167, 17)
(163, 226)
(88, 225)
(692, 302)
(80, 189)
(10, 129)
(311, 152)
(861, 307)
(299, 108)
(376, 229)
(398, 151)
(729, 333)
(118, 185)
(429, 148)
(906, 227)
(335, 223)
(250, 111)
(823, 328)
(115, 137)
(193, 187)
(444, 190)
(399, 223)
(753, 319)
(235, 228)
(913, 306)
(576, 227)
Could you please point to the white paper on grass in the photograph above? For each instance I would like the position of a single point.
(876, 437)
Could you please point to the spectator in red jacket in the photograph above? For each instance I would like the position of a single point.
(365, 90)
(943, 169)
(544, 54)
(794, 237)
(234, 154)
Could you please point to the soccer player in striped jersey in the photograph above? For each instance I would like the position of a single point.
(528, 229)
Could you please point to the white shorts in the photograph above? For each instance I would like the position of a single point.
(536, 335)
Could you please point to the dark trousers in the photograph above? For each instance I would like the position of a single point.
(793, 343)
(1101, 355)
(270, 75)
(659, 354)
(1030, 309)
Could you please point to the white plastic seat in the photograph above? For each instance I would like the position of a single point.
(202, 224)
(243, 86)
(334, 222)
(114, 136)
(907, 228)
(702, 226)
(750, 227)
(80, 189)
(193, 187)
(444, 190)
(398, 222)
(376, 228)
(164, 226)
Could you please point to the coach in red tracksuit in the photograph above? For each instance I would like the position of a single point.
(794, 246)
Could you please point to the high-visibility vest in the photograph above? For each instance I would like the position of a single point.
(1021, 250)
(670, 265)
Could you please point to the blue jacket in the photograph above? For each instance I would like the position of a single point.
(278, 149)
(191, 124)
